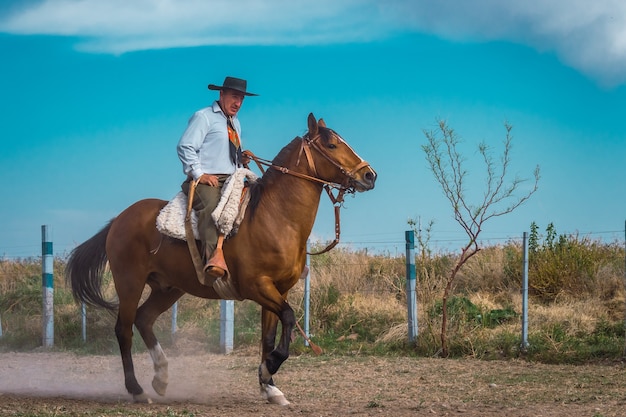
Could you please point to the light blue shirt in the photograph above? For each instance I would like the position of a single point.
(204, 148)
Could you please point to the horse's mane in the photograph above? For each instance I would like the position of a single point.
(257, 187)
(281, 159)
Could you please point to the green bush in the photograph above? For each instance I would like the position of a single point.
(462, 310)
(566, 266)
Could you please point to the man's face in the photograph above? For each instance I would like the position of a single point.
(231, 101)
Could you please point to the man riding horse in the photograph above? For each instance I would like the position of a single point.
(262, 267)
(210, 151)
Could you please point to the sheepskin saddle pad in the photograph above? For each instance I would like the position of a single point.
(227, 215)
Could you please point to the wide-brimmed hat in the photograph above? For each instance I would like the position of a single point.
(233, 83)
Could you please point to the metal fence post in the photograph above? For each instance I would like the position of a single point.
(227, 325)
(525, 292)
(174, 318)
(83, 320)
(307, 297)
(47, 278)
(411, 298)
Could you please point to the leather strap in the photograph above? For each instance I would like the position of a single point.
(191, 239)
(307, 143)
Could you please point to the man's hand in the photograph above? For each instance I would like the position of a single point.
(246, 156)
(208, 179)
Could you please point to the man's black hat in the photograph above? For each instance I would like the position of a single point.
(233, 83)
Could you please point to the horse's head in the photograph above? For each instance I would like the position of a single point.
(335, 161)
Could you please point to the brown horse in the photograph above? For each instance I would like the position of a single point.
(266, 257)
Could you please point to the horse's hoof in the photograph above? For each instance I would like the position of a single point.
(279, 399)
(142, 398)
(273, 395)
(159, 386)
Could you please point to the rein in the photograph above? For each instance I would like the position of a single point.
(342, 188)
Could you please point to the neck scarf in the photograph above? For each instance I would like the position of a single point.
(235, 143)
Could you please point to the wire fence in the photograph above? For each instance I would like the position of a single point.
(385, 244)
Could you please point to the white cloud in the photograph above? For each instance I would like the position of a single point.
(118, 26)
(587, 35)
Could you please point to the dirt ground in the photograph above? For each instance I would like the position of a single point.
(62, 384)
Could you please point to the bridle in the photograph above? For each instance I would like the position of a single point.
(307, 144)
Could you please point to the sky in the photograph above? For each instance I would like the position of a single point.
(96, 94)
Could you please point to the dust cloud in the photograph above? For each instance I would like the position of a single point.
(197, 378)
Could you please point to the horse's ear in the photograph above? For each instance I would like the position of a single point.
(322, 123)
(312, 125)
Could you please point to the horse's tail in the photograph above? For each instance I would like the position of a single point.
(85, 268)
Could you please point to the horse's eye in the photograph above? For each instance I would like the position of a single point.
(332, 146)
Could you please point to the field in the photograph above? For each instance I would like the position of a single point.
(63, 384)
(574, 365)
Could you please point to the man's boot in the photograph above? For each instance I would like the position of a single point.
(216, 265)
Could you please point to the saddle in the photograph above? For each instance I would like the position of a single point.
(227, 215)
(178, 220)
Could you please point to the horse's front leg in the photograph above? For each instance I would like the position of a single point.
(272, 358)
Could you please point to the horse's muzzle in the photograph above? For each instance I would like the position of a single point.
(365, 179)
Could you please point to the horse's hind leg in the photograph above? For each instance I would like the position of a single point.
(129, 287)
(124, 333)
(158, 302)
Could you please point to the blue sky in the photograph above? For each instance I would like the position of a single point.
(95, 95)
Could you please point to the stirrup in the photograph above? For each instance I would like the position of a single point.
(214, 271)
(216, 265)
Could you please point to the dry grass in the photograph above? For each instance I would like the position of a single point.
(575, 316)
(14, 274)
(371, 290)
(357, 293)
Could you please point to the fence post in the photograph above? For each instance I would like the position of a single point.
(307, 296)
(411, 298)
(47, 276)
(174, 318)
(227, 325)
(525, 292)
(83, 320)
